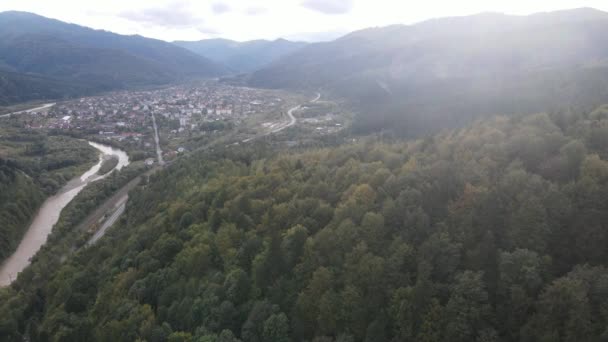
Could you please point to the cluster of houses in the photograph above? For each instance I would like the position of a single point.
(180, 111)
(126, 115)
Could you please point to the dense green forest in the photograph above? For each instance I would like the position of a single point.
(17, 88)
(33, 166)
(495, 232)
(415, 110)
(19, 200)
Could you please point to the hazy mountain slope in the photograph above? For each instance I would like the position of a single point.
(242, 56)
(47, 55)
(15, 88)
(39, 48)
(170, 57)
(384, 70)
(484, 44)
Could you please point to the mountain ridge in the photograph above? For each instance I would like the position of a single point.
(382, 71)
(40, 47)
(245, 56)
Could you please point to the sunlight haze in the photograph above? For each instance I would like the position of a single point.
(310, 20)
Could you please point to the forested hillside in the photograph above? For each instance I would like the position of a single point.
(19, 201)
(49, 58)
(421, 78)
(33, 166)
(495, 232)
(16, 88)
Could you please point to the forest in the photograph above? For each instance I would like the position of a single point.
(33, 166)
(493, 232)
(18, 88)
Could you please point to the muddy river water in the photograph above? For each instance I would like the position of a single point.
(49, 212)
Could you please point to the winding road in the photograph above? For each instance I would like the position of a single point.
(292, 120)
(33, 110)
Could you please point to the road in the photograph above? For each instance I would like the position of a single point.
(292, 120)
(159, 152)
(111, 205)
(118, 210)
(45, 106)
(117, 203)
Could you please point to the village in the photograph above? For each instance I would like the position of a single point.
(182, 112)
(187, 117)
(122, 114)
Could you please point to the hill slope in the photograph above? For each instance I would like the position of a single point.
(242, 56)
(408, 75)
(34, 45)
(16, 87)
(496, 232)
(33, 166)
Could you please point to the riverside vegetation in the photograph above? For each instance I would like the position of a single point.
(33, 166)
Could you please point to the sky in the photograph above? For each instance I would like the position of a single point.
(307, 20)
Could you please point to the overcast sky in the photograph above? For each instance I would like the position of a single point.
(268, 19)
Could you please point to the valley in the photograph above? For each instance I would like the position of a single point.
(439, 179)
(354, 212)
(115, 118)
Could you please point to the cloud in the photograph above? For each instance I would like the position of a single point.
(220, 7)
(174, 15)
(329, 6)
(208, 30)
(253, 11)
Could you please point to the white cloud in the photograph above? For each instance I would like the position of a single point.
(171, 15)
(270, 19)
(256, 10)
(329, 6)
(220, 7)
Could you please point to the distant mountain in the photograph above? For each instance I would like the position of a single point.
(40, 47)
(447, 71)
(242, 56)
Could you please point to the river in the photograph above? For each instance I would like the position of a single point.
(49, 213)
